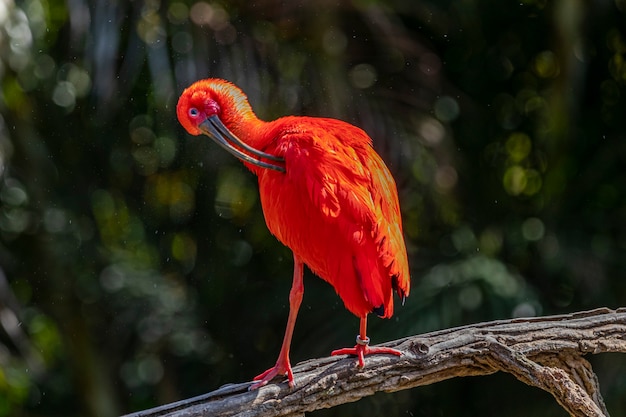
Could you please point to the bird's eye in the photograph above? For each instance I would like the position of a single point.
(193, 112)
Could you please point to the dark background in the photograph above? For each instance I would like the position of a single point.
(137, 268)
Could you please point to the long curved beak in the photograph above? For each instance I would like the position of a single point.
(215, 129)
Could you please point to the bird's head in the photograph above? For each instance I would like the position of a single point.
(211, 97)
(216, 108)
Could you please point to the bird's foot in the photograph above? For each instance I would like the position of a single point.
(362, 348)
(281, 368)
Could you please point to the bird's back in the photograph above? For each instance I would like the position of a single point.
(336, 207)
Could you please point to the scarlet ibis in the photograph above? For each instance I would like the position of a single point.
(325, 193)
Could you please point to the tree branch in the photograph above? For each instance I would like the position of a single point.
(545, 352)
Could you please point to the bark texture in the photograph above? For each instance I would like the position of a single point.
(545, 352)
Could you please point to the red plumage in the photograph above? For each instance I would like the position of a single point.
(328, 196)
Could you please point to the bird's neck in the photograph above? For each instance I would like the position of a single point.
(251, 130)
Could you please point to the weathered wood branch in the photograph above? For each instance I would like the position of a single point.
(545, 352)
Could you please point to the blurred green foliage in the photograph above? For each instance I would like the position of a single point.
(136, 265)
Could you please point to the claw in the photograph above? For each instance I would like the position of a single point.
(362, 348)
(280, 369)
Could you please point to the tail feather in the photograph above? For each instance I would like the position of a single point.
(374, 282)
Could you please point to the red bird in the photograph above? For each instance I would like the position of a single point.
(325, 193)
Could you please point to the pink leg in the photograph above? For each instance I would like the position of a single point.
(362, 346)
(283, 367)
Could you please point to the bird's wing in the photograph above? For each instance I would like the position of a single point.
(351, 186)
(389, 234)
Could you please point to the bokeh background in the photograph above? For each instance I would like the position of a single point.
(136, 267)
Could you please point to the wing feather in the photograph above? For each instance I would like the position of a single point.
(350, 186)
